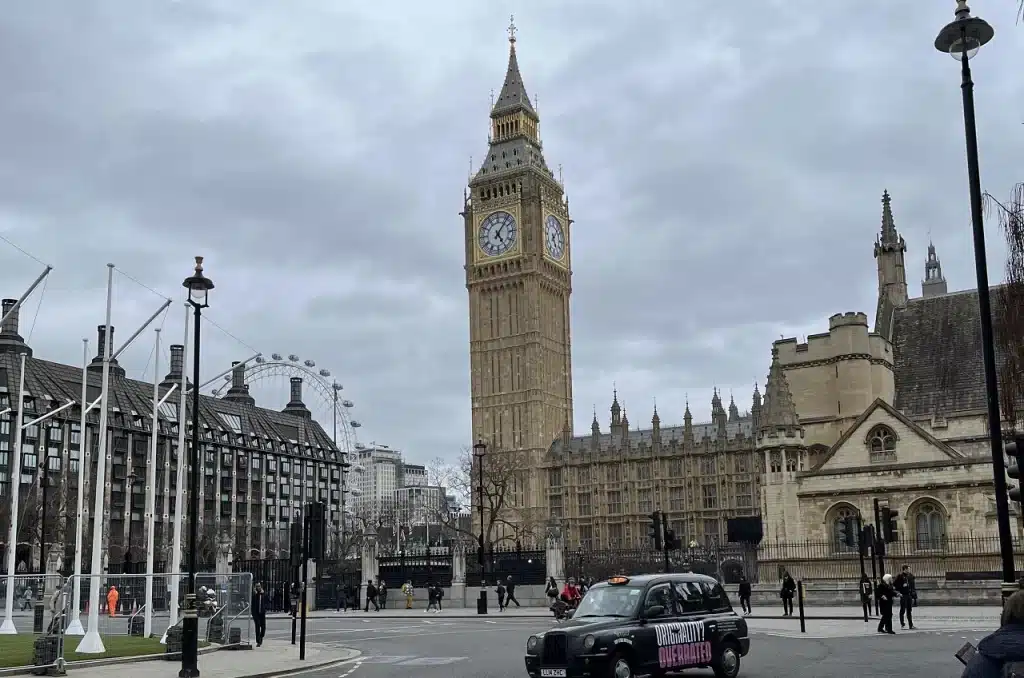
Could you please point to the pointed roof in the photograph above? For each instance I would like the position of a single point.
(513, 95)
(888, 238)
(778, 409)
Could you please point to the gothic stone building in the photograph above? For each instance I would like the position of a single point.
(895, 413)
(258, 465)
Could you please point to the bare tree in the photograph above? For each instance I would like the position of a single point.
(1008, 307)
(506, 521)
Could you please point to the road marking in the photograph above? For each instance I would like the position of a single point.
(356, 665)
(411, 660)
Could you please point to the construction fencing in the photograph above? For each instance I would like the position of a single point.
(59, 621)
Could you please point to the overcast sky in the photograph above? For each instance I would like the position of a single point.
(724, 167)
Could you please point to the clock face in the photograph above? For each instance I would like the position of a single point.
(554, 237)
(497, 233)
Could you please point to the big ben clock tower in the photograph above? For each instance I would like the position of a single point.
(518, 251)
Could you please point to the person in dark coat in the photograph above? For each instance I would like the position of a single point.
(1001, 653)
(258, 607)
(886, 594)
(907, 588)
(510, 592)
(865, 594)
(787, 593)
(744, 594)
(371, 596)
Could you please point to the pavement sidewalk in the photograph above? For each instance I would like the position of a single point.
(273, 659)
(969, 614)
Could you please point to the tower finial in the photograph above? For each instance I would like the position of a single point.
(512, 29)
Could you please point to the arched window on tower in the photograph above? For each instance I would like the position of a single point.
(929, 526)
(842, 516)
(882, 443)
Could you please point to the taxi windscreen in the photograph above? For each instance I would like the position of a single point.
(610, 601)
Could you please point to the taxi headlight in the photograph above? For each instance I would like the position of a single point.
(588, 643)
(532, 644)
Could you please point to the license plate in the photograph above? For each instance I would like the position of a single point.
(552, 673)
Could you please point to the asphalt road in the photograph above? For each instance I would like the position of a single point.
(436, 647)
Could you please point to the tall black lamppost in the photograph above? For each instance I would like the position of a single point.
(962, 39)
(44, 481)
(479, 452)
(198, 287)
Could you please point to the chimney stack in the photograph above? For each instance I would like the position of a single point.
(101, 347)
(177, 367)
(10, 326)
(10, 340)
(239, 391)
(295, 405)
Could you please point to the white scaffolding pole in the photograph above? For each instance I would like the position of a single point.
(75, 627)
(151, 490)
(179, 500)
(7, 628)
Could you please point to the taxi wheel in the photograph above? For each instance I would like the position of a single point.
(727, 663)
(620, 667)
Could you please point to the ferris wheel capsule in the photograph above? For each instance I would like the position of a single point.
(260, 360)
(294, 358)
(324, 373)
(276, 356)
(355, 424)
(309, 363)
(347, 403)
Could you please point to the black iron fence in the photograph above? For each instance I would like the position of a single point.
(332, 576)
(276, 574)
(726, 562)
(420, 565)
(526, 567)
(973, 557)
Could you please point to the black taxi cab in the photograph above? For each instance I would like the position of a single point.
(647, 625)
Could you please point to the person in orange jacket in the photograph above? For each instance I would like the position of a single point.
(112, 598)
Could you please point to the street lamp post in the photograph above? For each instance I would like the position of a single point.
(44, 480)
(479, 452)
(198, 287)
(962, 38)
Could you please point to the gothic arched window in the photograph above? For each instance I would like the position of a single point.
(882, 442)
(929, 526)
(844, 517)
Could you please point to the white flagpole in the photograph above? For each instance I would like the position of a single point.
(91, 642)
(7, 628)
(179, 501)
(75, 627)
(151, 491)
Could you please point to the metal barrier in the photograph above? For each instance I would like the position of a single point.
(223, 601)
(37, 610)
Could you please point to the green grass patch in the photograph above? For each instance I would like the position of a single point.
(17, 650)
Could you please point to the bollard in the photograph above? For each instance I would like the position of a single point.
(800, 602)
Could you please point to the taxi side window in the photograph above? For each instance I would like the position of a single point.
(689, 597)
(715, 597)
(660, 596)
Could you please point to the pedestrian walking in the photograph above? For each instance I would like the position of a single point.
(371, 597)
(258, 606)
(551, 591)
(744, 594)
(501, 596)
(510, 592)
(787, 593)
(865, 594)
(886, 593)
(382, 594)
(906, 586)
(1001, 653)
(432, 599)
(112, 597)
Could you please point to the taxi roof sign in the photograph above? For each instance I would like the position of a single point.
(618, 581)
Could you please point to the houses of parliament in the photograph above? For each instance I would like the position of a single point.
(894, 411)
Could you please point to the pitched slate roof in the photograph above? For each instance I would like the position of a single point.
(937, 355)
(59, 383)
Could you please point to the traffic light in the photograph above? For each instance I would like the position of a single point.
(1015, 457)
(671, 541)
(480, 550)
(849, 529)
(654, 531)
(867, 538)
(890, 525)
(295, 544)
(317, 530)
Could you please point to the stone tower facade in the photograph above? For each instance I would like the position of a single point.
(518, 273)
(890, 249)
(933, 284)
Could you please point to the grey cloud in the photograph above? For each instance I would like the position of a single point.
(724, 171)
